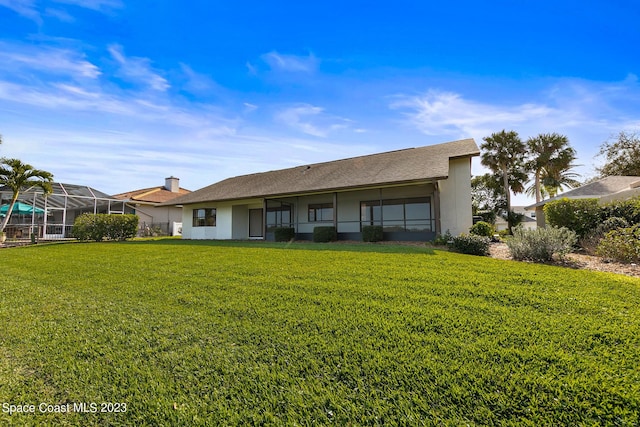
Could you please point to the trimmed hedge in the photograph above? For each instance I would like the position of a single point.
(324, 234)
(579, 215)
(372, 233)
(471, 244)
(284, 234)
(627, 209)
(584, 215)
(105, 226)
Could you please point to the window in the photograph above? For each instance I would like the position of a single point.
(205, 217)
(321, 212)
(398, 215)
(279, 216)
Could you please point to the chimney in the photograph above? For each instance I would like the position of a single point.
(172, 184)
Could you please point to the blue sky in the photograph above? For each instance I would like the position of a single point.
(119, 95)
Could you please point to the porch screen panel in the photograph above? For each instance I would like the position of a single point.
(393, 215)
(411, 214)
(418, 214)
(279, 216)
(370, 213)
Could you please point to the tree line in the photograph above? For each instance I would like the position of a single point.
(541, 167)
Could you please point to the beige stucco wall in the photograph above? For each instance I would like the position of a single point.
(455, 198)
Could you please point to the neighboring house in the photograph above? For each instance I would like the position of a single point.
(528, 221)
(150, 206)
(605, 190)
(55, 213)
(413, 194)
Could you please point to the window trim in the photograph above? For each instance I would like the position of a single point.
(208, 219)
(316, 208)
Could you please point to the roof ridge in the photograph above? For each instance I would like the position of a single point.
(309, 165)
(146, 193)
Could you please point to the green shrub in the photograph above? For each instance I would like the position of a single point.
(443, 239)
(324, 234)
(578, 215)
(482, 228)
(612, 223)
(471, 244)
(541, 244)
(622, 244)
(372, 233)
(591, 241)
(284, 234)
(105, 226)
(627, 209)
(487, 216)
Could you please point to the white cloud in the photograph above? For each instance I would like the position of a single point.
(248, 107)
(138, 70)
(437, 112)
(290, 63)
(32, 9)
(26, 8)
(311, 120)
(98, 5)
(198, 83)
(15, 58)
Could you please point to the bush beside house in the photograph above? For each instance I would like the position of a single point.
(324, 234)
(98, 227)
(372, 233)
(284, 234)
(621, 244)
(482, 228)
(606, 230)
(470, 244)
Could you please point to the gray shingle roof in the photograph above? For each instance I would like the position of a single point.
(402, 166)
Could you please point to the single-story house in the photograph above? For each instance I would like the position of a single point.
(413, 194)
(150, 206)
(606, 190)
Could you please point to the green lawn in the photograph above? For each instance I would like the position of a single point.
(202, 333)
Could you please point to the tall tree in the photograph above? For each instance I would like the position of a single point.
(487, 194)
(504, 154)
(19, 176)
(622, 155)
(550, 160)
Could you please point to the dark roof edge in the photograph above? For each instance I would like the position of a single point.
(319, 191)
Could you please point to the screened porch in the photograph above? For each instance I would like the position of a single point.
(51, 217)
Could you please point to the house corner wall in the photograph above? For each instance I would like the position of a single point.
(455, 198)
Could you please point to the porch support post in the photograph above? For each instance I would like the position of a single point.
(264, 219)
(33, 214)
(297, 215)
(335, 211)
(436, 207)
(64, 217)
(381, 216)
(44, 226)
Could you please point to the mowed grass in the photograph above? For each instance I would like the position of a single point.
(205, 333)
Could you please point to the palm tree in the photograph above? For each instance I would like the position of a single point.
(551, 159)
(18, 176)
(504, 154)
